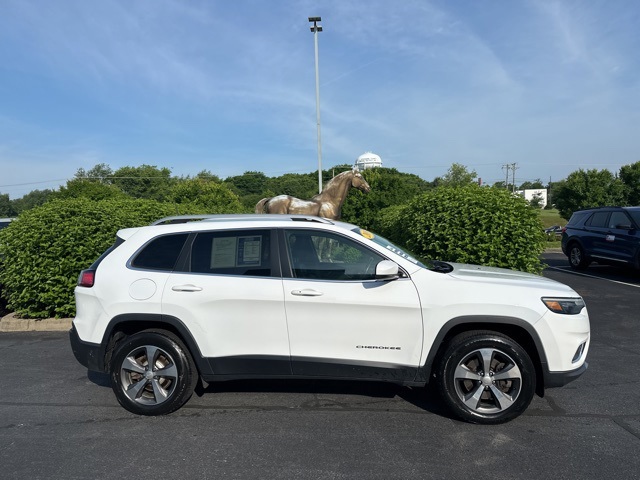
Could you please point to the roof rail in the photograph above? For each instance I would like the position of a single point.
(180, 219)
(239, 216)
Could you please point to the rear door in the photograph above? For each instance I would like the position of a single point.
(229, 294)
(342, 321)
(595, 234)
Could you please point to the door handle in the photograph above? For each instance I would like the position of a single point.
(307, 292)
(186, 288)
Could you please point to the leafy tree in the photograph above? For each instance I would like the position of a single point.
(388, 187)
(503, 185)
(101, 173)
(536, 201)
(536, 184)
(47, 246)
(211, 196)
(6, 207)
(458, 175)
(145, 181)
(485, 226)
(85, 188)
(33, 199)
(207, 175)
(249, 183)
(297, 185)
(630, 177)
(587, 189)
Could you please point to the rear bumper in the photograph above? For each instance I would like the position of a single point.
(559, 379)
(88, 354)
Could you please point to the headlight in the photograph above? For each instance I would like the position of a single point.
(565, 306)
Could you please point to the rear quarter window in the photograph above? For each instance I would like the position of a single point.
(161, 253)
(577, 218)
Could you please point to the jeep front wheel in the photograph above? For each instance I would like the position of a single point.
(486, 377)
(152, 373)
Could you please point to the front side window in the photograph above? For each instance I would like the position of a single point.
(328, 256)
(618, 220)
(161, 253)
(235, 252)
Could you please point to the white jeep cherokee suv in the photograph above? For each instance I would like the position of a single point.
(286, 296)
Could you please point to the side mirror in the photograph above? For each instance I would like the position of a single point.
(387, 270)
(624, 227)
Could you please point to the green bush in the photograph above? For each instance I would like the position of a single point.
(484, 226)
(45, 249)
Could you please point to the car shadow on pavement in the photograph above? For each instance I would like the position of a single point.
(423, 398)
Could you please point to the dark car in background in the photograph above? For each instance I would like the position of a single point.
(4, 222)
(606, 235)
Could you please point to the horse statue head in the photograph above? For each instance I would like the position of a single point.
(359, 182)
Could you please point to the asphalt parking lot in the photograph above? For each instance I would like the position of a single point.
(58, 421)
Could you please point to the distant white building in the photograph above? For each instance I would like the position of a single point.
(530, 194)
(368, 160)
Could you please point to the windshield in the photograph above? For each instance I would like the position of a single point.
(383, 242)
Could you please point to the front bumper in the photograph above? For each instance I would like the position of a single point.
(90, 355)
(559, 379)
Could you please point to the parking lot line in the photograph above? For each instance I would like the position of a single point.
(569, 270)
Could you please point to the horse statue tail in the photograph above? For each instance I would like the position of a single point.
(261, 205)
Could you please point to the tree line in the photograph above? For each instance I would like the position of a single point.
(239, 194)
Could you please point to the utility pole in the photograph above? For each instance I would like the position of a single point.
(506, 181)
(315, 29)
(513, 169)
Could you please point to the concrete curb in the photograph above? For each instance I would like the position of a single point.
(10, 323)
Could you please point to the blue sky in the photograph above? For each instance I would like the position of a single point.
(230, 86)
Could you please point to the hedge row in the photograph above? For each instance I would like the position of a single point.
(483, 226)
(44, 250)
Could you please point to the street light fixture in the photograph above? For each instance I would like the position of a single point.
(315, 29)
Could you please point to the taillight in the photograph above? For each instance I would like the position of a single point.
(87, 278)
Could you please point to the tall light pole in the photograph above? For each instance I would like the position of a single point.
(315, 29)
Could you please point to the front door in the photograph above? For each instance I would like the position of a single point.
(342, 321)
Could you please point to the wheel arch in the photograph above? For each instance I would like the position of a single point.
(519, 330)
(122, 326)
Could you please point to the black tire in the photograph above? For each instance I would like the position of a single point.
(477, 396)
(577, 259)
(157, 391)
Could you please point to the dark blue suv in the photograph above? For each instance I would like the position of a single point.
(608, 235)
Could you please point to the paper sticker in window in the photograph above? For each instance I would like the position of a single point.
(249, 251)
(223, 252)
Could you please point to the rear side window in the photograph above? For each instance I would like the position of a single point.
(577, 218)
(598, 219)
(161, 253)
(234, 252)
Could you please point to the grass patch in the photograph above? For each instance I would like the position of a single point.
(552, 217)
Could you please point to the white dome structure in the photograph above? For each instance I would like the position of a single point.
(368, 160)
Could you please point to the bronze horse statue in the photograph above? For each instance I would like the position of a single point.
(327, 204)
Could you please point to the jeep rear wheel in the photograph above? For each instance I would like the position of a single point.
(486, 377)
(152, 373)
